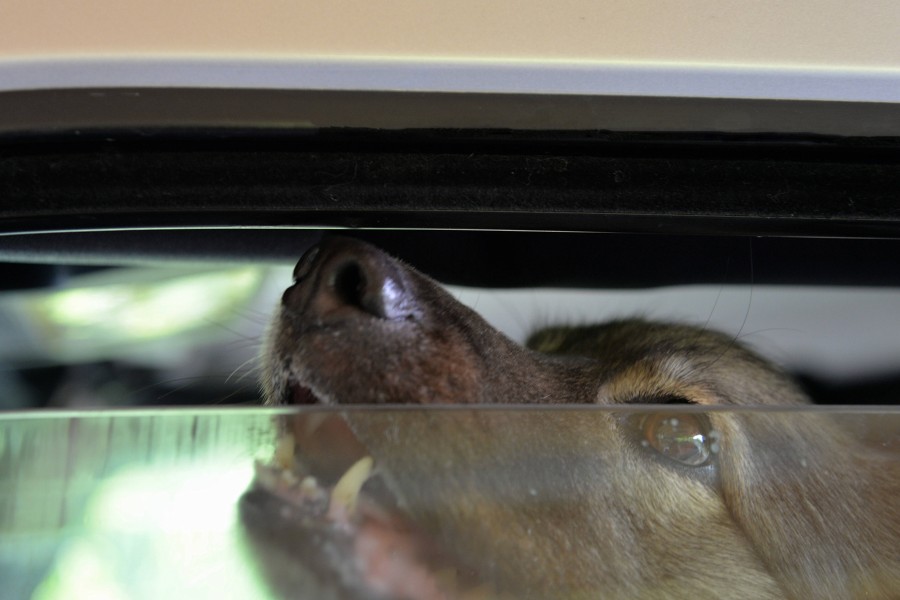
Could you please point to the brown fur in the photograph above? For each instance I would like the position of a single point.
(568, 503)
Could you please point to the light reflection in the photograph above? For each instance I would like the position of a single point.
(147, 310)
(160, 532)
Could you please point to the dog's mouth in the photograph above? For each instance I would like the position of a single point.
(300, 395)
(343, 523)
(298, 488)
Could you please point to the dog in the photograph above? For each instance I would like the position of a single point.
(625, 466)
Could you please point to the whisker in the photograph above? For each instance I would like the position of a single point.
(239, 367)
(719, 294)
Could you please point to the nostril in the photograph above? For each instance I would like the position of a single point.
(352, 286)
(349, 283)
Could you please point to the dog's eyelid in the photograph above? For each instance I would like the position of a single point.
(678, 400)
(663, 399)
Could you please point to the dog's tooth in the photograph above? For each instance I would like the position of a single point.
(284, 452)
(346, 491)
(288, 478)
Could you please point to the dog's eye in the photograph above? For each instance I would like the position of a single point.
(683, 438)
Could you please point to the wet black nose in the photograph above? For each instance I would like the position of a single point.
(341, 276)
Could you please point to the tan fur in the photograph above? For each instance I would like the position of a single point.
(568, 503)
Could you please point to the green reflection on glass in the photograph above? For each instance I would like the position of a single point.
(148, 310)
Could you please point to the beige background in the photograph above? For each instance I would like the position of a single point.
(809, 33)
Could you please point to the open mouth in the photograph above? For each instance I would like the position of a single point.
(350, 532)
(300, 395)
(296, 485)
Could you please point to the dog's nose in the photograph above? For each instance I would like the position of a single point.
(341, 276)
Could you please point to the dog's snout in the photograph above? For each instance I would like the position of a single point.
(343, 276)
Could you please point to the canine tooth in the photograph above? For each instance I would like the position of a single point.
(346, 490)
(284, 452)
